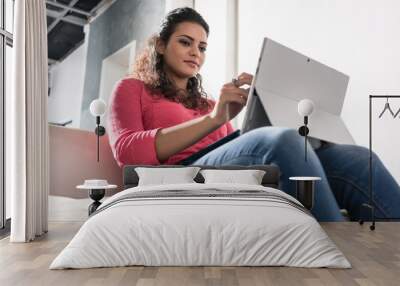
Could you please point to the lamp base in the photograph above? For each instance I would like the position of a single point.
(96, 195)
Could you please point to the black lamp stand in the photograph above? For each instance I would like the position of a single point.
(100, 131)
(303, 131)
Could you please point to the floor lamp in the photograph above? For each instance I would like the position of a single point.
(97, 109)
(370, 205)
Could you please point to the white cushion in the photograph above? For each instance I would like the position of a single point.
(163, 176)
(248, 177)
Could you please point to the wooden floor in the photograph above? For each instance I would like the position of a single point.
(375, 257)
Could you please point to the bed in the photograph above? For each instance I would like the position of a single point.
(201, 224)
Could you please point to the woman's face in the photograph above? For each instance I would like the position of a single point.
(184, 54)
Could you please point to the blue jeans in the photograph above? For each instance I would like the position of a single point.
(343, 170)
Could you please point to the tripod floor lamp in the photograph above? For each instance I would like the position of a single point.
(371, 205)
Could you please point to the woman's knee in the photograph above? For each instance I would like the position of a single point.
(275, 137)
(274, 133)
(364, 152)
(356, 151)
(342, 157)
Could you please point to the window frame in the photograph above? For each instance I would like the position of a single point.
(6, 39)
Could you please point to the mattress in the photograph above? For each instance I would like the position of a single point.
(201, 225)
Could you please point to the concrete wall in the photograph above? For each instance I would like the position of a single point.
(123, 22)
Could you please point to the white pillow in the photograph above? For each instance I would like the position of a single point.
(163, 176)
(249, 177)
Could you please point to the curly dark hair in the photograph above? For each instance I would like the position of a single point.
(149, 65)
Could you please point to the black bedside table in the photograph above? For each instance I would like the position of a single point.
(97, 190)
(305, 190)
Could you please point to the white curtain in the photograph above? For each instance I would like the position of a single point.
(27, 123)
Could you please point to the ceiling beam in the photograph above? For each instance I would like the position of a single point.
(101, 7)
(76, 10)
(70, 19)
(61, 15)
(51, 61)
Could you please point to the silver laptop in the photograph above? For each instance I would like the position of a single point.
(282, 79)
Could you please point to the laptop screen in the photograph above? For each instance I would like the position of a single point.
(283, 78)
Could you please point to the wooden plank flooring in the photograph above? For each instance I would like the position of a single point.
(375, 257)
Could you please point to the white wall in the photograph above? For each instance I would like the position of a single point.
(221, 56)
(115, 67)
(173, 4)
(213, 70)
(358, 37)
(67, 79)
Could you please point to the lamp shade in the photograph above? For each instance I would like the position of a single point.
(97, 107)
(305, 107)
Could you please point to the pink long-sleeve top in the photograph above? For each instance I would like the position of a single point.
(135, 116)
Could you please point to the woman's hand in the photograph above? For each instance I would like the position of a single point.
(232, 99)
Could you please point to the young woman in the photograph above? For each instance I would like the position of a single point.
(161, 115)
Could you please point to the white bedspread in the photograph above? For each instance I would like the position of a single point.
(186, 230)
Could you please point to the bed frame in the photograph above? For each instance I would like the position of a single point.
(270, 179)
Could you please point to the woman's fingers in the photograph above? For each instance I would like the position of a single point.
(232, 89)
(239, 96)
(244, 78)
(235, 98)
(232, 94)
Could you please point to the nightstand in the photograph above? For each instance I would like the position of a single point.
(97, 190)
(305, 190)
